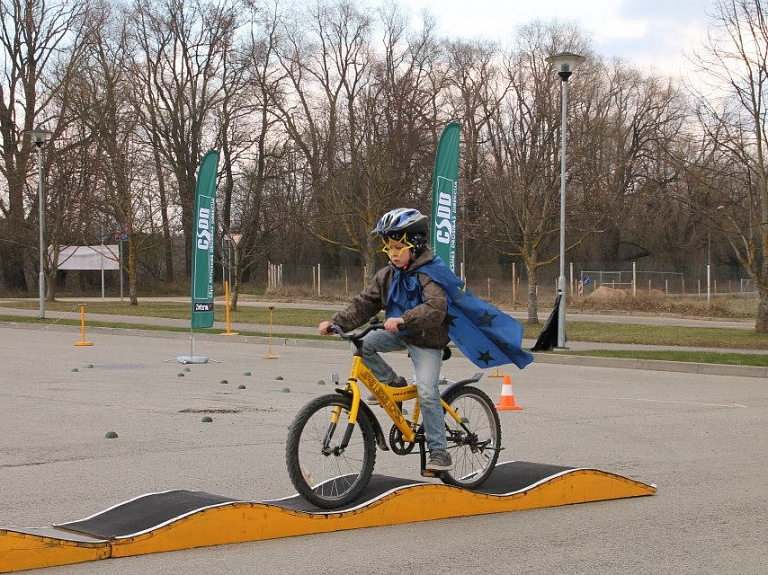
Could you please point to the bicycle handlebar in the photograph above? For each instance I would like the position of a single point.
(355, 335)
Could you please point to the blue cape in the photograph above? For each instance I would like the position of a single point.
(485, 335)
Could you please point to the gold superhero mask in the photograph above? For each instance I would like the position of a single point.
(392, 249)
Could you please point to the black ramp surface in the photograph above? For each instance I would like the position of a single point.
(518, 475)
(144, 513)
(508, 477)
(150, 511)
(378, 486)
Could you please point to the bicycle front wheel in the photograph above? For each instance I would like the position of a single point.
(323, 472)
(475, 443)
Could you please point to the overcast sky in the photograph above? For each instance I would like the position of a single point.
(648, 33)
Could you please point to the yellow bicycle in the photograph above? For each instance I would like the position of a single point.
(331, 446)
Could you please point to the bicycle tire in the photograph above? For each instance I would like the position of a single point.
(473, 454)
(328, 478)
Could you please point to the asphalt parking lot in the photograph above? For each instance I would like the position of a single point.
(700, 438)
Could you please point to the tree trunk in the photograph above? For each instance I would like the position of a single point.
(370, 266)
(132, 281)
(165, 218)
(761, 318)
(533, 300)
(234, 293)
(50, 281)
(12, 273)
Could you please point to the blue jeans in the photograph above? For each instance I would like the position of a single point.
(426, 364)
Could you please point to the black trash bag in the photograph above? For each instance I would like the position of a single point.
(548, 337)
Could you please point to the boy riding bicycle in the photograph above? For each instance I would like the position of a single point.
(416, 321)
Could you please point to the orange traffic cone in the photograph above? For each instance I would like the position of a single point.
(507, 401)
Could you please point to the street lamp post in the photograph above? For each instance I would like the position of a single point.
(565, 63)
(40, 137)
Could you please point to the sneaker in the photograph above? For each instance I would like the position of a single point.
(439, 460)
(399, 382)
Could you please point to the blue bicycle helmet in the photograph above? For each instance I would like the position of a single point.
(406, 222)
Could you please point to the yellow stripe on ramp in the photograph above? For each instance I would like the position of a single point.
(31, 549)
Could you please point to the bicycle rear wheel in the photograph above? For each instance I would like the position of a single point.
(474, 444)
(323, 473)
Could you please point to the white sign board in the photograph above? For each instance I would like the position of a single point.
(101, 257)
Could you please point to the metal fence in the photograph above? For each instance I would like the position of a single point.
(510, 283)
(631, 281)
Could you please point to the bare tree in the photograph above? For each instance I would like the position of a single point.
(184, 44)
(328, 61)
(105, 108)
(475, 88)
(521, 186)
(736, 117)
(622, 135)
(35, 38)
(250, 127)
(325, 56)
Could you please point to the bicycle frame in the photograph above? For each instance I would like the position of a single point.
(390, 398)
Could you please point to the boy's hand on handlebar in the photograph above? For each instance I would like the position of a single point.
(393, 324)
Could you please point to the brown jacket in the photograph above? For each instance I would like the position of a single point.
(427, 321)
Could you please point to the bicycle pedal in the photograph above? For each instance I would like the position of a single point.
(432, 473)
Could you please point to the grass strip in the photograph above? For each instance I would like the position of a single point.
(742, 359)
(303, 317)
(150, 327)
(671, 336)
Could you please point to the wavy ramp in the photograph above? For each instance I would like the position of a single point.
(174, 520)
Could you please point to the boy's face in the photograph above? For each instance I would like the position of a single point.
(398, 251)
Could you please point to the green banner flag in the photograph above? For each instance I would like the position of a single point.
(445, 184)
(203, 241)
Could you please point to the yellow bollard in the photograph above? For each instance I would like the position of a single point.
(226, 312)
(82, 342)
(271, 355)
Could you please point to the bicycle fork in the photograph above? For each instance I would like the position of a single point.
(331, 432)
(334, 424)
